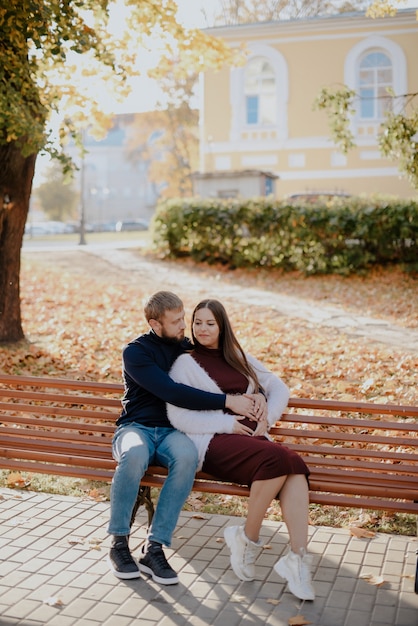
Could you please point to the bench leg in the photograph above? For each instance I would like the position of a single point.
(143, 498)
(416, 576)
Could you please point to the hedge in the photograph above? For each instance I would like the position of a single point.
(338, 235)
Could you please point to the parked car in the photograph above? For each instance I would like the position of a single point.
(313, 196)
(125, 225)
(49, 227)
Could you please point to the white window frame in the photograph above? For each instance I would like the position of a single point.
(259, 94)
(238, 98)
(399, 77)
(374, 85)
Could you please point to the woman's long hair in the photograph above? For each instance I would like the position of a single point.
(229, 344)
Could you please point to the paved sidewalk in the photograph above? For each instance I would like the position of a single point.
(53, 572)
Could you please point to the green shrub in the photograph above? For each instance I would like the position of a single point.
(339, 235)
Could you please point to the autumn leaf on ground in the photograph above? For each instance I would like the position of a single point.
(16, 480)
(361, 533)
(73, 541)
(62, 324)
(197, 516)
(95, 544)
(274, 601)
(298, 620)
(236, 597)
(97, 495)
(54, 601)
(377, 581)
(195, 502)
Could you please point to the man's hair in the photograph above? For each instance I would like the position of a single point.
(160, 302)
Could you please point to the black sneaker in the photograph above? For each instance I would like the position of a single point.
(120, 560)
(154, 563)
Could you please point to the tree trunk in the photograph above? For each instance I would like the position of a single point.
(16, 175)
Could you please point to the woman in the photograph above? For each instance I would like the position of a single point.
(239, 450)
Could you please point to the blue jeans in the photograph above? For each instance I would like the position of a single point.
(134, 448)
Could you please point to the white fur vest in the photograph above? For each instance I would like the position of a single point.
(200, 426)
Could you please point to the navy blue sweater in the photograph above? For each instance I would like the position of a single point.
(146, 363)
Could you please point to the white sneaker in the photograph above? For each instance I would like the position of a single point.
(243, 552)
(296, 569)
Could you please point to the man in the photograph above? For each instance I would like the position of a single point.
(145, 436)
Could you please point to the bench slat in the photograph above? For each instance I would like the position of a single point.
(321, 451)
(353, 406)
(60, 383)
(349, 437)
(33, 467)
(90, 447)
(59, 410)
(69, 460)
(56, 424)
(387, 468)
(64, 398)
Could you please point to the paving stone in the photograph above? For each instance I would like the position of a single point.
(35, 564)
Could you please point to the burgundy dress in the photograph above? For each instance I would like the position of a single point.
(240, 458)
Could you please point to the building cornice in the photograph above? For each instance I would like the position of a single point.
(404, 18)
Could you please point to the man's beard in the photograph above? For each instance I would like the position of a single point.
(172, 340)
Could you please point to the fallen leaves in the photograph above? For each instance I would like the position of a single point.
(92, 544)
(361, 533)
(372, 579)
(54, 601)
(98, 495)
(298, 620)
(80, 326)
(15, 480)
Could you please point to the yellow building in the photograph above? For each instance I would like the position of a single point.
(260, 116)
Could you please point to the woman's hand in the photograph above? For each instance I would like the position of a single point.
(252, 405)
(262, 428)
(239, 428)
(240, 405)
(260, 407)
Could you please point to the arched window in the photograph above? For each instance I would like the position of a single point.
(375, 77)
(260, 93)
(372, 65)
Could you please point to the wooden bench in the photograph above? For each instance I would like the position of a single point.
(360, 454)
